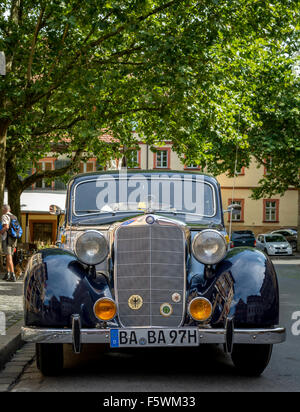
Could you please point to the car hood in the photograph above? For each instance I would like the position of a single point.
(277, 244)
(147, 219)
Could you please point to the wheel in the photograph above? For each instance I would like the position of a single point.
(49, 358)
(251, 360)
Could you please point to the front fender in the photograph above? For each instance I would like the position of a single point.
(56, 286)
(244, 287)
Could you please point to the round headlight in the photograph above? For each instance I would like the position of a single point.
(91, 247)
(209, 246)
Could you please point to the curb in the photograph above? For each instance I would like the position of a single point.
(10, 343)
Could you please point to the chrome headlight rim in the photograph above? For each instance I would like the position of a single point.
(203, 260)
(97, 261)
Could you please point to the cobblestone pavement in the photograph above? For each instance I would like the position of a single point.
(14, 369)
(11, 301)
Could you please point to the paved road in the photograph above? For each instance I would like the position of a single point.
(171, 371)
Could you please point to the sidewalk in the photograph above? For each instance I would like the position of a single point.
(11, 304)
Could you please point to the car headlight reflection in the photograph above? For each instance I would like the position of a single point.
(91, 247)
(209, 246)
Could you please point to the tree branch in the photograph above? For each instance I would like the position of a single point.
(60, 51)
(30, 180)
(60, 126)
(34, 40)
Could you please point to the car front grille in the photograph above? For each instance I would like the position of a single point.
(150, 263)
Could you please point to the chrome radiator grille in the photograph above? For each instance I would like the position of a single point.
(150, 263)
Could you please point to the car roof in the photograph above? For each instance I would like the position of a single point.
(271, 234)
(129, 172)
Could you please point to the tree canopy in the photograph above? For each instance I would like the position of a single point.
(199, 73)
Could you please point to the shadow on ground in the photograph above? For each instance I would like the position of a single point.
(205, 360)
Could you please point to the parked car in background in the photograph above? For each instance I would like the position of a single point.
(242, 238)
(137, 268)
(290, 235)
(273, 244)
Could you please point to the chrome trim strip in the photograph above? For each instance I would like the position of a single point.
(206, 336)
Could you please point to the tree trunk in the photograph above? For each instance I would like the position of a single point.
(298, 240)
(14, 188)
(3, 133)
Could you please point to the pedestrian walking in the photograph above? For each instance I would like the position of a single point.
(9, 243)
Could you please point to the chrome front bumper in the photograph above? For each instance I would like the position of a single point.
(206, 336)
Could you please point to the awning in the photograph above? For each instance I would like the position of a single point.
(39, 201)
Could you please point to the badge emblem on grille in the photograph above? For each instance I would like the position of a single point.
(135, 302)
(176, 297)
(166, 309)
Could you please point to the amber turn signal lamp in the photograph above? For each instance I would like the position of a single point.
(200, 309)
(105, 309)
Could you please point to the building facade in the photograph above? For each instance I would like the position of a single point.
(260, 216)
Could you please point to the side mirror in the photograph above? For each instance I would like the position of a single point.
(55, 210)
(235, 208)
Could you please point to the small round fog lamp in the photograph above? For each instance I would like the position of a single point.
(200, 309)
(105, 309)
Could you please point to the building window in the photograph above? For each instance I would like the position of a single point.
(271, 210)
(134, 159)
(86, 167)
(42, 231)
(162, 159)
(42, 166)
(238, 216)
(192, 166)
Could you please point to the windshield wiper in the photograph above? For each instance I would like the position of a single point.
(87, 211)
(113, 212)
(176, 212)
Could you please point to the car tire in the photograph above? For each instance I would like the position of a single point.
(49, 358)
(251, 360)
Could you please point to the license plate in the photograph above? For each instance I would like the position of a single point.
(153, 337)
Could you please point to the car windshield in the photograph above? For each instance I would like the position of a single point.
(238, 235)
(275, 238)
(174, 195)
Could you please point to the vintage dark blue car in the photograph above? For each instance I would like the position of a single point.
(143, 260)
